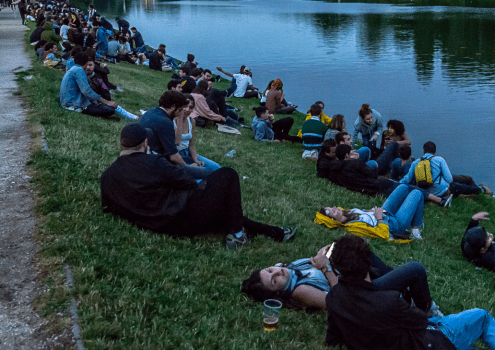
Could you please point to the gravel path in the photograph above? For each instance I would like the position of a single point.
(20, 327)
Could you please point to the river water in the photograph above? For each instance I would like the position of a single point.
(430, 67)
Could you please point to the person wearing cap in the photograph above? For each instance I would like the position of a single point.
(150, 192)
(477, 243)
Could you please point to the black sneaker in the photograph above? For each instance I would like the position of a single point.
(233, 242)
(289, 232)
(446, 201)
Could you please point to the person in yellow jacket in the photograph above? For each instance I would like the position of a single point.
(402, 209)
(323, 117)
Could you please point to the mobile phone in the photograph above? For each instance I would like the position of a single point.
(329, 252)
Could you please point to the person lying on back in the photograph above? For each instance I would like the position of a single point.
(477, 243)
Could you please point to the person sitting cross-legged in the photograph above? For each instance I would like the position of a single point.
(362, 316)
(313, 131)
(150, 192)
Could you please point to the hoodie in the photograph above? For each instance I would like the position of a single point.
(49, 35)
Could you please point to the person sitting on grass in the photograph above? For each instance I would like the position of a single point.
(275, 99)
(323, 117)
(233, 84)
(335, 126)
(402, 209)
(184, 138)
(101, 40)
(369, 124)
(364, 316)
(266, 129)
(363, 153)
(162, 132)
(244, 84)
(156, 60)
(401, 165)
(190, 64)
(395, 132)
(477, 243)
(137, 39)
(305, 283)
(169, 201)
(313, 131)
(77, 95)
(264, 94)
(50, 56)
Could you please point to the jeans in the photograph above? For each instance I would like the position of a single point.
(398, 170)
(365, 155)
(412, 277)
(394, 184)
(464, 328)
(386, 158)
(101, 110)
(209, 164)
(404, 209)
(171, 62)
(141, 49)
(367, 142)
(232, 88)
(197, 172)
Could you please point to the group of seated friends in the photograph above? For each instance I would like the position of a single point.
(186, 194)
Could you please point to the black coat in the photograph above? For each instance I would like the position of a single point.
(361, 317)
(156, 61)
(146, 190)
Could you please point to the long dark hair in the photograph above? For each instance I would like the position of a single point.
(201, 88)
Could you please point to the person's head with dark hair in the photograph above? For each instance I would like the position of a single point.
(343, 138)
(91, 53)
(196, 73)
(206, 75)
(174, 85)
(328, 148)
(81, 59)
(190, 58)
(172, 102)
(322, 105)
(366, 114)
(476, 241)
(254, 288)
(269, 85)
(96, 24)
(395, 127)
(183, 71)
(260, 111)
(133, 29)
(337, 123)
(351, 257)
(67, 46)
(241, 70)
(133, 137)
(315, 110)
(75, 50)
(65, 21)
(405, 152)
(48, 47)
(201, 88)
(430, 147)
(343, 151)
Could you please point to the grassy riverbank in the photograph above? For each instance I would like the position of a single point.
(140, 290)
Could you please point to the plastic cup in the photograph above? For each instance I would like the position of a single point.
(271, 313)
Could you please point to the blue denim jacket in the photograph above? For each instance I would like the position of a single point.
(361, 127)
(262, 130)
(75, 90)
(440, 173)
(101, 39)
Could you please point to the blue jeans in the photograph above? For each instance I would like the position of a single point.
(197, 172)
(386, 158)
(367, 141)
(232, 88)
(410, 276)
(141, 49)
(464, 328)
(364, 154)
(404, 209)
(209, 164)
(171, 62)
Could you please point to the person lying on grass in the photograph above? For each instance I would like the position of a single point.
(403, 208)
(150, 192)
(477, 243)
(305, 283)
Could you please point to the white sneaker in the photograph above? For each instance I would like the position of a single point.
(416, 233)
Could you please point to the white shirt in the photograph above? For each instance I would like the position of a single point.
(242, 82)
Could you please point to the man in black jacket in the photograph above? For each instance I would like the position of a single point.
(362, 317)
(153, 194)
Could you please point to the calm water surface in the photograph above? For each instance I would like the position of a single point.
(430, 67)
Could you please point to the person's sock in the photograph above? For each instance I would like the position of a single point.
(239, 234)
(125, 113)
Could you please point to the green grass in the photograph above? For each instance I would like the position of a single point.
(141, 290)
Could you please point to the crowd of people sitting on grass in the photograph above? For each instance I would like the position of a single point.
(187, 194)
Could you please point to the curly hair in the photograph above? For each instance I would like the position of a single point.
(351, 257)
(172, 98)
(365, 110)
(398, 127)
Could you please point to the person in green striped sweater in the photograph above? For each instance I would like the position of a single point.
(313, 131)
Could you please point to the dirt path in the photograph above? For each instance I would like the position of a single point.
(20, 326)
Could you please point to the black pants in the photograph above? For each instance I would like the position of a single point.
(463, 184)
(281, 130)
(251, 94)
(218, 208)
